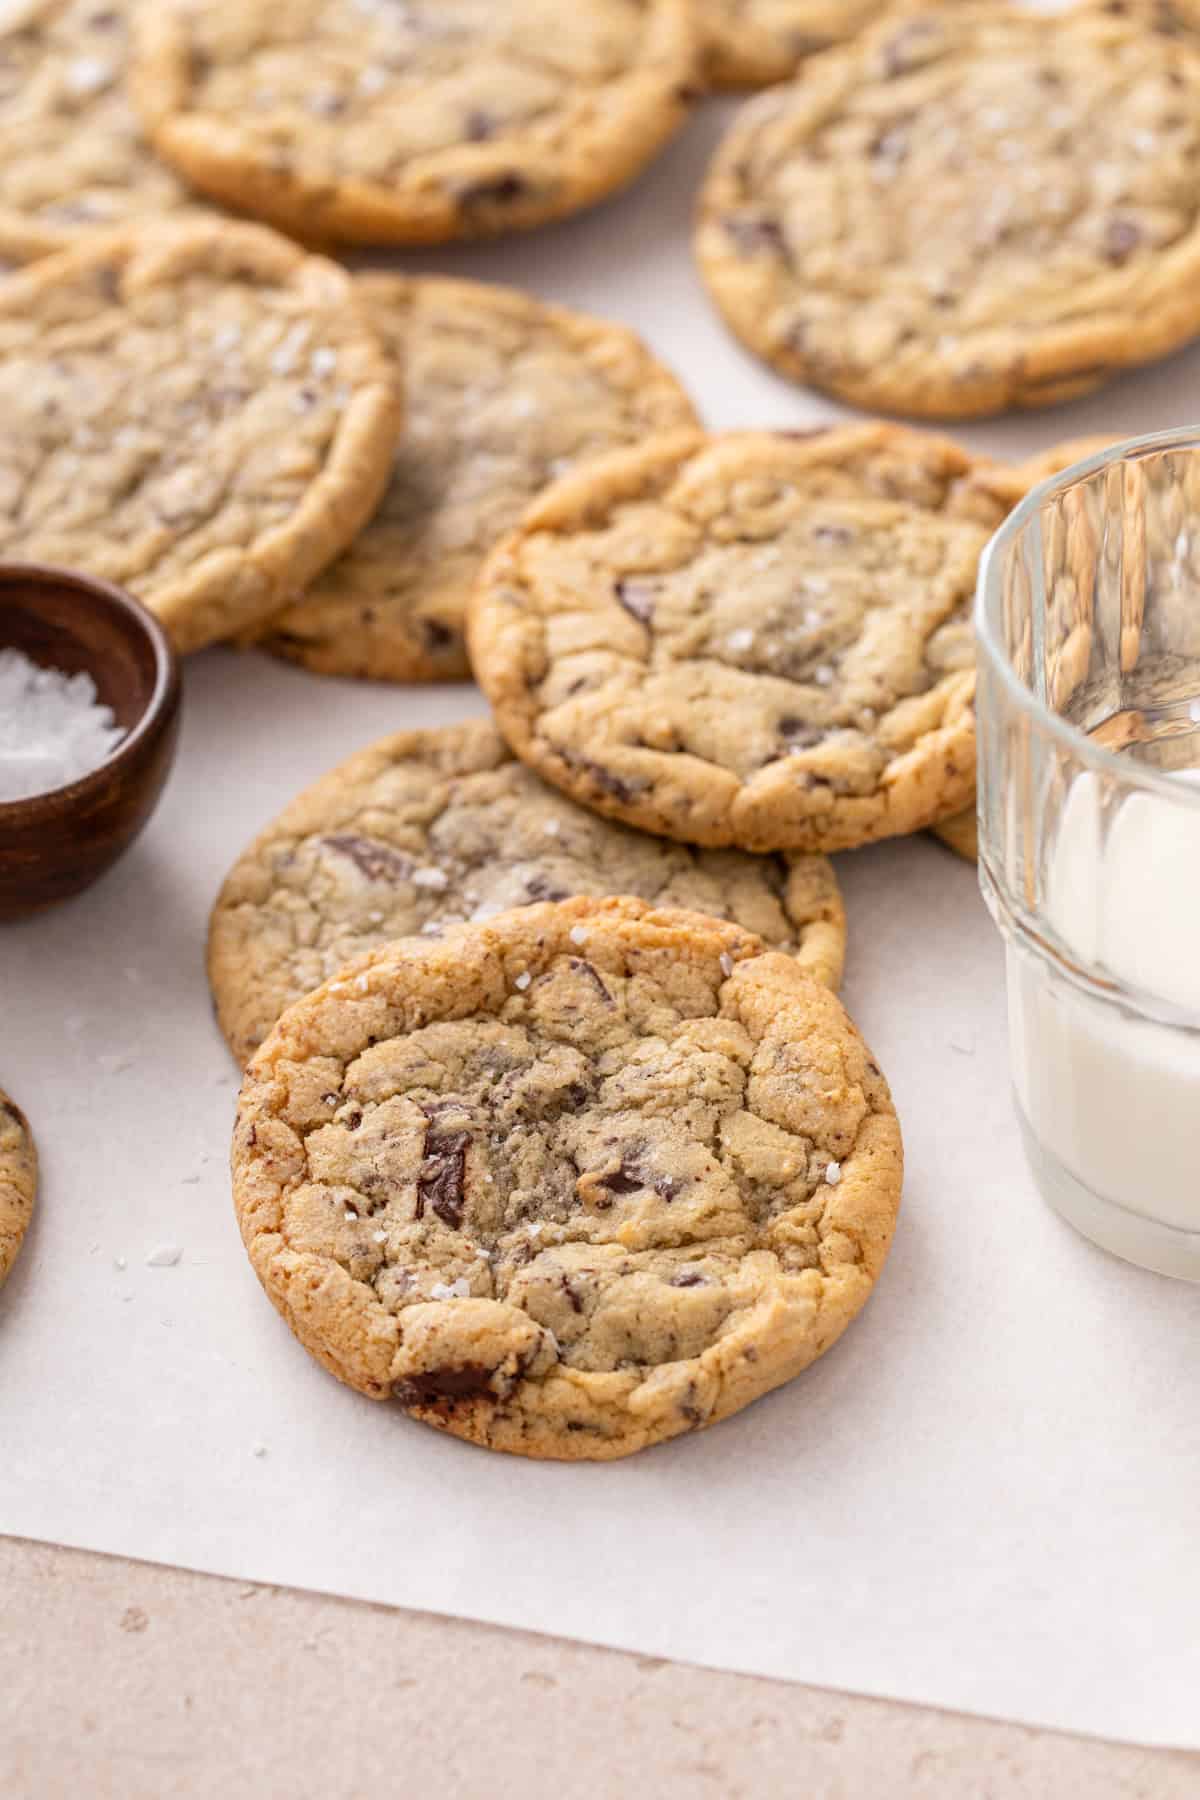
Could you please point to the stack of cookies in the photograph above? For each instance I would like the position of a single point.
(552, 1126)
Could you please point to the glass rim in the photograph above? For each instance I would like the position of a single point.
(1083, 748)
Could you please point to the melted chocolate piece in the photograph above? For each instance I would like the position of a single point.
(437, 636)
(753, 236)
(440, 1183)
(625, 1180)
(466, 1382)
(502, 190)
(612, 784)
(637, 597)
(1121, 239)
(538, 888)
(799, 734)
(581, 967)
(377, 861)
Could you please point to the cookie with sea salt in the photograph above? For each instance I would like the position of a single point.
(71, 149)
(428, 829)
(198, 412)
(18, 1181)
(970, 208)
(364, 121)
(571, 1182)
(502, 394)
(751, 43)
(750, 639)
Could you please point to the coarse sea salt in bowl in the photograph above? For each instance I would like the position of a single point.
(99, 749)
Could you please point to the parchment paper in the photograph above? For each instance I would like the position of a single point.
(986, 1497)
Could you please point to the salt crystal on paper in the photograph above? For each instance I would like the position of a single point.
(53, 730)
(165, 1257)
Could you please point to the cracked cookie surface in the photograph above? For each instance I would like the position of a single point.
(573, 1182)
(502, 394)
(71, 148)
(427, 830)
(750, 43)
(364, 121)
(750, 639)
(197, 412)
(967, 210)
(18, 1181)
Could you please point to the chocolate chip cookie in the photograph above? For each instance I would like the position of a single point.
(372, 122)
(198, 412)
(502, 394)
(970, 208)
(750, 43)
(571, 1182)
(747, 640)
(71, 149)
(18, 1181)
(429, 829)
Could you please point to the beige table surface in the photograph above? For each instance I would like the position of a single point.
(121, 1681)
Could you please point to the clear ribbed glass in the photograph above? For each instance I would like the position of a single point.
(1088, 623)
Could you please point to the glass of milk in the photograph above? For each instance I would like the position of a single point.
(1088, 622)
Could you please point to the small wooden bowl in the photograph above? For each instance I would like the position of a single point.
(56, 844)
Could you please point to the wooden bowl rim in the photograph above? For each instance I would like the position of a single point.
(163, 695)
